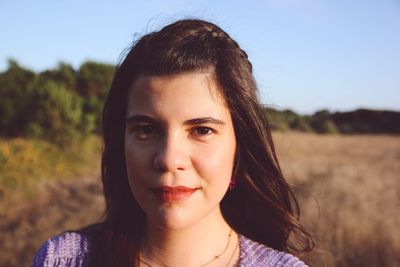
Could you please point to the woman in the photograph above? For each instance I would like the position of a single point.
(189, 168)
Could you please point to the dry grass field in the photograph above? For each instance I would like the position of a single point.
(348, 188)
(349, 192)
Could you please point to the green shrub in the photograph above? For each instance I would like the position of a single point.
(321, 122)
(15, 83)
(56, 114)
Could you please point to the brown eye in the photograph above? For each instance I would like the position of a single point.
(203, 131)
(144, 132)
(147, 129)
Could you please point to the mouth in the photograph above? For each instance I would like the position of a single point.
(173, 193)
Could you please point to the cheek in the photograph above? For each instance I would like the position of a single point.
(137, 156)
(132, 160)
(215, 164)
(138, 162)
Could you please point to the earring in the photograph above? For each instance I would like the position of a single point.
(232, 183)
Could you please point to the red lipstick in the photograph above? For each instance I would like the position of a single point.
(174, 193)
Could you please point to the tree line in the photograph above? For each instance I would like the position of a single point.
(60, 105)
(360, 121)
(64, 105)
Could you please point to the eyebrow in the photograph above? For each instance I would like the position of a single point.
(196, 121)
(140, 118)
(204, 120)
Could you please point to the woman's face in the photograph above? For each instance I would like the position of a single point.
(179, 148)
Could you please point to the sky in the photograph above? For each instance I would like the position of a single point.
(307, 55)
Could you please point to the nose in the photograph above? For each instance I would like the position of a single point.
(172, 155)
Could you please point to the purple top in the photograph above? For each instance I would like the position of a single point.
(71, 249)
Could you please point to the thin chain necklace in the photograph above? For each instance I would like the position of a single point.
(216, 257)
(233, 254)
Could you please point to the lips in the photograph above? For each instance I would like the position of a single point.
(174, 193)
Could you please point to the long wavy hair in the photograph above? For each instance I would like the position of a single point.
(262, 206)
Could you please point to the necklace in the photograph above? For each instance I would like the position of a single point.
(216, 257)
(233, 254)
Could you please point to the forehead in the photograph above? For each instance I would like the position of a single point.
(193, 92)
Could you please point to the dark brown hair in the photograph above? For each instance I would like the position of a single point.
(261, 207)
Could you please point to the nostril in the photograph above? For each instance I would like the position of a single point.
(159, 163)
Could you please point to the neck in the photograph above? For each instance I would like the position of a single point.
(196, 245)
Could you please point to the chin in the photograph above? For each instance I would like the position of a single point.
(168, 219)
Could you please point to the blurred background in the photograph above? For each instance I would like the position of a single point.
(329, 78)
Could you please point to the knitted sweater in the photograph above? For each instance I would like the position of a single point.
(71, 249)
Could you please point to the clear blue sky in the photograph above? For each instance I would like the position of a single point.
(307, 54)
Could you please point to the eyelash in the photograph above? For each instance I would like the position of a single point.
(140, 133)
(209, 130)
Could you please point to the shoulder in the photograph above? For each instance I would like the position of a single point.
(64, 250)
(255, 254)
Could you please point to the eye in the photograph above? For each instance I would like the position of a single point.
(202, 131)
(143, 132)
